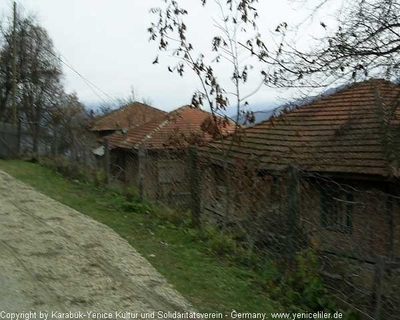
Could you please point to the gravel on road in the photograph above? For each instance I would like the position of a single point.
(53, 258)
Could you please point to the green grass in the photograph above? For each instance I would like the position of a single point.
(208, 282)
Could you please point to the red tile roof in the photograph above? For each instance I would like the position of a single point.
(351, 131)
(128, 116)
(171, 130)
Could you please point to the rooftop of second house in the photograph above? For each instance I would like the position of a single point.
(126, 117)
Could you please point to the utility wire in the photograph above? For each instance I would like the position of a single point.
(89, 83)
(60, 57)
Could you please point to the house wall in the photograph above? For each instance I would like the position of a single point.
(249, 203)
(117, 163)
(165, 173)
(258, 202)
(367, 237)
(375, 220)
(167, 177)
(243, 195)
(131, 167)
(375, 216)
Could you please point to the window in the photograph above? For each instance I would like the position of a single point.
(273, 182)
(336, 210)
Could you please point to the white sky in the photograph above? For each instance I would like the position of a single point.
(107, 42)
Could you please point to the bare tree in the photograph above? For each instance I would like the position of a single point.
(120, 102)
(39, 74)
(363, 42)
(68, 122)
(235, 23)
(40, 91)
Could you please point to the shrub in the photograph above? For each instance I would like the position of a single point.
(130, 193)
(100, 178)
(176, 217)
(300, 287)
(65, 168)
(135, 206)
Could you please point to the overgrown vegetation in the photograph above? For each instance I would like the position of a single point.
(225, 274)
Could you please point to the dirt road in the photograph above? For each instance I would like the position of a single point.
(56, 259)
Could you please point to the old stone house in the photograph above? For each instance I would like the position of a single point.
(156, 152)
(330, 168)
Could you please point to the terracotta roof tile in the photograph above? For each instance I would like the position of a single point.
(172, 129)
(128, 116)
(350, 131)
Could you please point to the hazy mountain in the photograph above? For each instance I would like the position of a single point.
(266, 111)
(260, 115)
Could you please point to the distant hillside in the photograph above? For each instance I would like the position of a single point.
(262, 114)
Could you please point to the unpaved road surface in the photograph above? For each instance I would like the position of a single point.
(56, 259)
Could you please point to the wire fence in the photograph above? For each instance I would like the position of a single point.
(9, 140)
(353, 225)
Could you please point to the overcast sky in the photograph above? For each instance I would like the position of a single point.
(107, 42)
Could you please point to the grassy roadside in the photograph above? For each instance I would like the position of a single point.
(206, 281)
